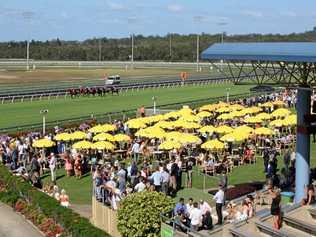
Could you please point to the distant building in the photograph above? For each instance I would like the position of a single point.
(314, 29)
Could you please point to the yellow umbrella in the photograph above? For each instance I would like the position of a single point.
(151, 132)
(280, 113)
(277, 123)
(263, 116)
(188, 125)
(267, 104)
(82, 145)
(63, 137)
(43, 143)
(78, 135)
(224, 129)
(96, 129)
(263, 131)
(121, 138)
(136, 123)
(213, 145)
(223, 110)
(210, 108)
(103, 145)
(165, 124)
(204, 114)
(185, 111)
(228, 138)
(172, 114)
(207, 129)
(290, 120)
(243, 129)
(169, 145)
(173, 135)
(225, 116)
(278, 103)
(253, 120)
(235, 107)
(103, 137)
(189, 118)
(187, 138)
(108, 127)
(237, 114)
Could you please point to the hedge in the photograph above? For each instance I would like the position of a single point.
(73, 224)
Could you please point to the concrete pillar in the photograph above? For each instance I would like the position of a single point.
(302, 163)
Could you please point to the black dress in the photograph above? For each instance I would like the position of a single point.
(275, 206)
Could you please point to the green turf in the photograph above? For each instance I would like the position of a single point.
(18, 114)
(80, 190)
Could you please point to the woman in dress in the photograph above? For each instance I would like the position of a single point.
(64, 199)
(276, 208)
(78, 167)
(309, 194)
(68, 165)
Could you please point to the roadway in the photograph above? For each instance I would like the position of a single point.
(14, 225)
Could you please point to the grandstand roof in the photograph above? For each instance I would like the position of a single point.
(274, 52)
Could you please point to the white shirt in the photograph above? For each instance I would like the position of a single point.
(196, 216)
(52, 162)
(140, 187)
(189, 208)
(205, 207)
(219, 197)
(135, 148)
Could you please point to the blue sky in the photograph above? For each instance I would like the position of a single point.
(81, 19)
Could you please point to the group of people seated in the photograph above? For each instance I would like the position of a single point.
(60, 196)
(193, 215)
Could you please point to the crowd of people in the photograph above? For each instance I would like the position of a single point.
(135, 170)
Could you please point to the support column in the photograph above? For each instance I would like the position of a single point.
(302, 163)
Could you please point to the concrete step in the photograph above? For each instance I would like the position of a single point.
(302, 224)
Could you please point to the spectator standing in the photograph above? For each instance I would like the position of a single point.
(52, 167)
(156, 177)
(122, 174)
(135, 150)
(165, 180)
(275, 208)
(287, 160)
(219, 198)
(180, 207)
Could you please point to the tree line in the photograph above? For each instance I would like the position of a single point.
(173, 47)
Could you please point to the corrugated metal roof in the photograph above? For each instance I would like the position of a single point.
(274, 52)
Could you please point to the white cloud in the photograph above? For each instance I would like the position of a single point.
(288, 14)
(175, 8)
(252, 13)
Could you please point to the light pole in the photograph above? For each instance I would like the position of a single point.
(197, 52)
(27, 55)
(100, 50)
(43, 112)
(227, 94)
(154, 99)
(132, 58)
(170, 47)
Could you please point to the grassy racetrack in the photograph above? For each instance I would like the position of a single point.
(18, 114)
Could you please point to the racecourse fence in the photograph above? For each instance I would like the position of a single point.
(124, 114)
(63, 93)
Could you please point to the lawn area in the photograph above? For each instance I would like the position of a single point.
(18, 114)
(80, 190)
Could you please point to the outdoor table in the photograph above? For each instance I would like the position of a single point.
(157, 154)
(120, 152)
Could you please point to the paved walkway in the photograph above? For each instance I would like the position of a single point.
(14, 225)
(82, 210)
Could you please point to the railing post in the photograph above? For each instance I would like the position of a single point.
(12, 99)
